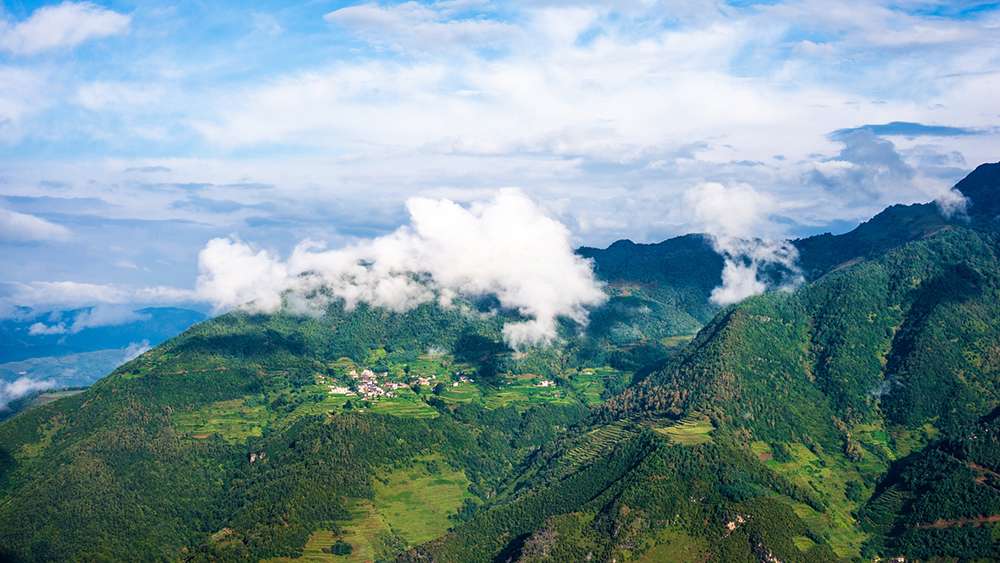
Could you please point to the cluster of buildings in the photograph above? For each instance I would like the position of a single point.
(373, 385)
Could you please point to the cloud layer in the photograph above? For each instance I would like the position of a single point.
(506, 246)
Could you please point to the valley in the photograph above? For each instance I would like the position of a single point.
(851, 418)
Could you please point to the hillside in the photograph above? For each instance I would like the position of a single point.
(852, 417)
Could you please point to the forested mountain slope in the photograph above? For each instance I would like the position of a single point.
(799, 426)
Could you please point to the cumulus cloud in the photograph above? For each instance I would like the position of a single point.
(20, 387)
(23, 227)
(736, 217)
(506, 246)
(62, 26)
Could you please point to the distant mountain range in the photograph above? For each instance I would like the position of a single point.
(851, 418)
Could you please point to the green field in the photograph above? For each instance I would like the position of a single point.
(233, 420)
(406, 403)
(590, 383)
(524, 394)
(677, 547)
(411, 506)
(416, 501)
(827, 477)
(691, 431)
(598, 442)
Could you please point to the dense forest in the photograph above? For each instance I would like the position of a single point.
(852, 418)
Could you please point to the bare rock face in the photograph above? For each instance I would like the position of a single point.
(254, 457)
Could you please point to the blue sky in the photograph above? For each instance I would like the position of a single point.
(132, 133)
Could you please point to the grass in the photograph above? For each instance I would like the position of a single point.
(313, 550)
(590, 383)
(676, 546)
(826, 475)
(693, 430)
(523, 395)
(233, 420)
(417, 501)
(803, 543)
(411, 506)
(406, 404)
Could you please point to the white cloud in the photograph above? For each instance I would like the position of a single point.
(14, 390)
(62, 26)
(736, 217)
(134, 350)
(412, 25)
(96, 316)
(22, 227)
(69, 294)
(41, 329)
(506, 246)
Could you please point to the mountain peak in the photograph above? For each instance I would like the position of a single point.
(982, 187)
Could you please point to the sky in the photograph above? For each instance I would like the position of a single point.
(134, 134)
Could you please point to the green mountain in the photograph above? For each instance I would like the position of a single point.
(851, 418)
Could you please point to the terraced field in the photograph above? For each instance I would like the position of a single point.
(233, 420)
(599, 442)
(692, 430)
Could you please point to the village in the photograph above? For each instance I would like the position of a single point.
(372, 385)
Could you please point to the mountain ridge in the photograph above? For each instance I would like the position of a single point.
(773, 434)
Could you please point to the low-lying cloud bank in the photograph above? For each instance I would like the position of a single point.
(737, 218)
(506, 246)
(11, 391)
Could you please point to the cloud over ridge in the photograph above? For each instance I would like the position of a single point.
(506, 246)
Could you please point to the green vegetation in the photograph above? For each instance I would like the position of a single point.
(853, 418)
(692, 431)
(418, 501)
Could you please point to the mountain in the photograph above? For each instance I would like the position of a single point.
(850, 418)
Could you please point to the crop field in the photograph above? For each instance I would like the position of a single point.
(411, 506)
(590, 383)
(463, 393)
(676, 546)
(523, 395)
(416, 501)
(406, 404)
(599, 441)
(366, 531)
(691, 431)
(313, 551)
(233, 420)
